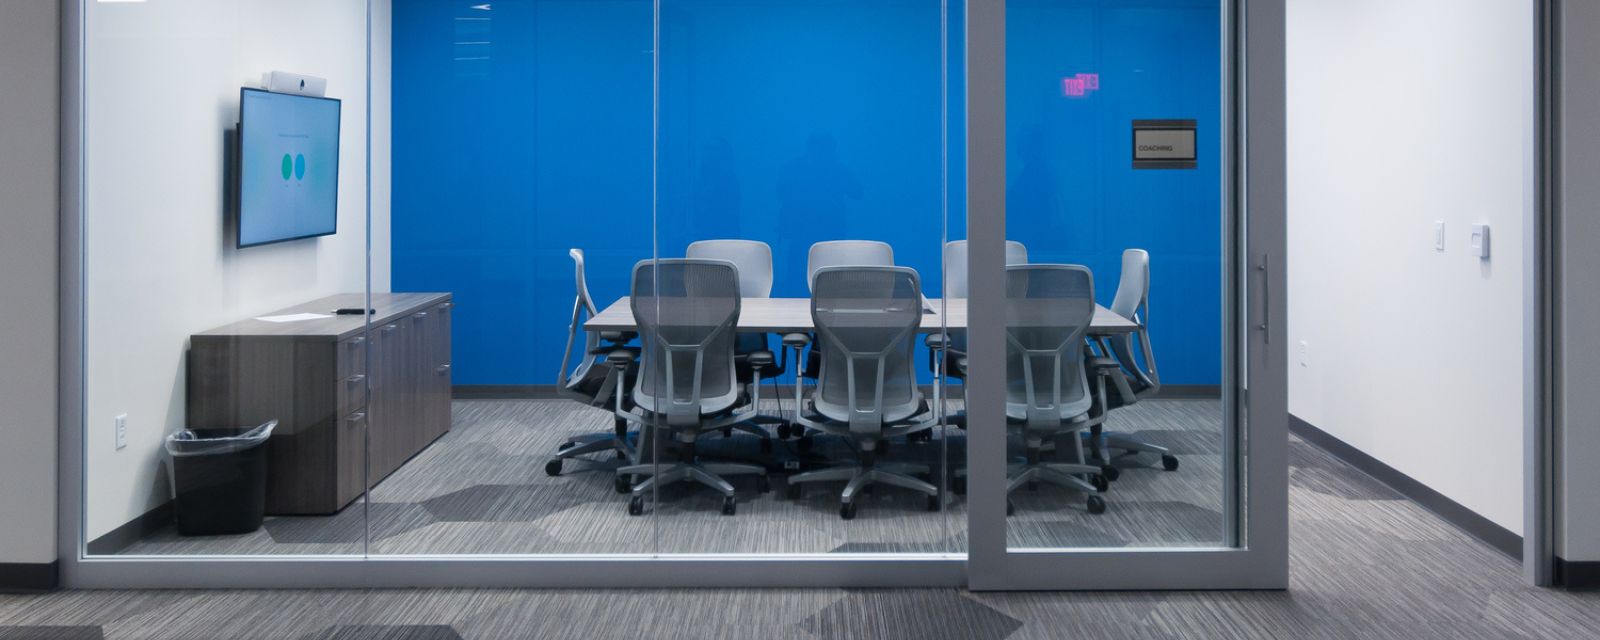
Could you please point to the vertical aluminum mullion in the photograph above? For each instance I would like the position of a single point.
(986, 235)
(1540, 382)
(1264, 205)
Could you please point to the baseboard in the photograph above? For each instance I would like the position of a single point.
(1577, 575)
(1453, 512)
(132, 531)
(29, 576)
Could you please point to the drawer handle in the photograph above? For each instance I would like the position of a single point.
(421, 314)
(390, 327)
(355, 378)
(446, 305)
(357, 417)
(358, 340)
(443, 368)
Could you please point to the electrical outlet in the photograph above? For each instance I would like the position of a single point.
(1305, 353)
(122, 431)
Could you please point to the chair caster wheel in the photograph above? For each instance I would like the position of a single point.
(621, 484)
(766, 446)
(783, 431)
(727, 432)
(1099, 482)
(1111, 473)
(763, 484)
(805, 444)
(794, 491)
(1097, 505)
(622, 456)
(958, 485)
(847, 511)
(1011, 507)
(553, 467)
(636, 506)
(729, 506)
(933, 503)
(1169, 462)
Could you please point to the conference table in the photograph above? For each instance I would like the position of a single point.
(793, 315)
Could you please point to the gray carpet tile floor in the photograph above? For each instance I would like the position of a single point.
(482, 489)
(1364, 563)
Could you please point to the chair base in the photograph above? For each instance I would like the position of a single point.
(706, 473)
(858, 477)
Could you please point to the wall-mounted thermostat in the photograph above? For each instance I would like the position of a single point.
(1164, 144)
(1480, 241)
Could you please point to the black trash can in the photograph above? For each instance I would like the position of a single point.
(219, 479)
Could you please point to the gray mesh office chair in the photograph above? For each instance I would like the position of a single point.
(832, 253)
(1048, 311)
(752, 357)
(686, 311)
(866, 320)
(1133, 382)
(950, 349)
(599, 378)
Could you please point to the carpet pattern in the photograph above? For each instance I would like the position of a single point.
(482, 489)
(1364, 563)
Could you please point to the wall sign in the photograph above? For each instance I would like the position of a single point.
(1164, 144)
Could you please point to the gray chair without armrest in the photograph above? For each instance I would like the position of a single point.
(1049, 309)
(687, 311)
(866, 319)
(1132, 381)
(754, 262)
(599, 378)
(821, 255)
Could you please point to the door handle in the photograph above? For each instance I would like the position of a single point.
(443, 368)
(1266, 298)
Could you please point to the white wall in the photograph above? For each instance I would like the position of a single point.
(1400, 113)
(1578, 436)
(163, 82)
(29, 69)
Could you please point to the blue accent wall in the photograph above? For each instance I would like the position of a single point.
(525, 130)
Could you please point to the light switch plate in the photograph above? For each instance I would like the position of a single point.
(1480, 241)
(1305, 353)
(1438, 235)
(122, 430)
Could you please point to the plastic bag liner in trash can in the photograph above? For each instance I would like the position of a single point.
(219, 479)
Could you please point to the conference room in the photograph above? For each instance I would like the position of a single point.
(680, 277)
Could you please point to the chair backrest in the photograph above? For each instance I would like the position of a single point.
(1133, 302)
(846, 253)
(955, 265)
(572, 379)
(866, 319)
(686, 311)
(752, 257)
(1049, 308)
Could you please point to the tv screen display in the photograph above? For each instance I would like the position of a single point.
(288, 167)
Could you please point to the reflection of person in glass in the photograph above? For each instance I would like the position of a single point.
(813, 196)
(716, 212)
(816, 183)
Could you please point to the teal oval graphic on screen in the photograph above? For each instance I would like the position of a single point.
(300, 166)
(288, 166)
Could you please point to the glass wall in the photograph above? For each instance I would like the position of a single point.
(1115, 209)
(223, 227)
(646, 277)
(795, 135)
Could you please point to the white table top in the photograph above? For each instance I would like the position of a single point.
(793, 315)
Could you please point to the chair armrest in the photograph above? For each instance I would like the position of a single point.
(621, 357)
(960, 366)
(1104, 363)
(760, 359)
(937, 341)
(796, 339)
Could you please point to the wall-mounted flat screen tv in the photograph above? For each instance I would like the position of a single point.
(288, 167)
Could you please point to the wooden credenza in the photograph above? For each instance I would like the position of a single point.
(341, 390)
